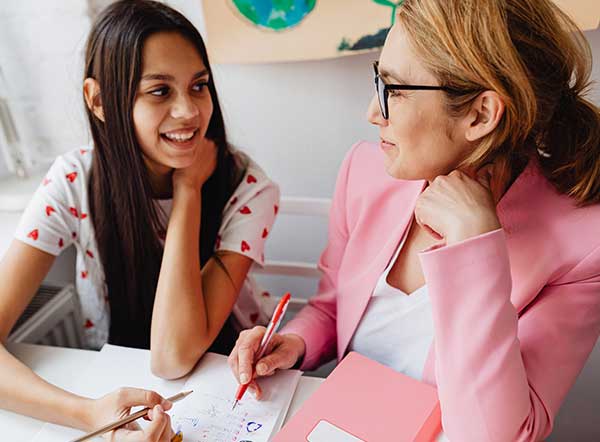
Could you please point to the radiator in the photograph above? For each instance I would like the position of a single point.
(52, 318)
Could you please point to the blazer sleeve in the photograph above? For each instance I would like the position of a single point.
(316, 322)
(502, 377)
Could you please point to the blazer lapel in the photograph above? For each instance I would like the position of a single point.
(396, 214)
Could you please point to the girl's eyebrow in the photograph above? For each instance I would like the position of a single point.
(167, 77)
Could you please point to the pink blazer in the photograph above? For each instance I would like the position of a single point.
(516, 311)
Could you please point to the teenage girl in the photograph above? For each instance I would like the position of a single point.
(166, 218)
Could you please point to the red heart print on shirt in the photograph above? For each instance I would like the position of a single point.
(84, 274)
(88, 324)
(276, 209)
(76, 214)
(49, 210)
(46, 181)
(233, 200)
(83, 151)
(90, 254)
(265, 233)
(72, 176)
(254, 317)
(34, 234)
(73, 235)
(251, 179)
(61, 243)
(245, 210)
(245, 246)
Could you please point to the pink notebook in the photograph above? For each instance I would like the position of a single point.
(362, 400)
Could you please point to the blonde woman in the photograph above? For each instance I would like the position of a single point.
(464, 249)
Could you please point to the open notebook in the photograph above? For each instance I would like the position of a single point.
(206, 414)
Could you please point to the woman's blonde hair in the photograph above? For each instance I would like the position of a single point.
(534, 56)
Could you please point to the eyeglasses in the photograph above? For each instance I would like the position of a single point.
(383, 90)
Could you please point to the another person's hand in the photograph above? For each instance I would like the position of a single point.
(118, 404)
(456, 207)
(282, 352)
(195, 175)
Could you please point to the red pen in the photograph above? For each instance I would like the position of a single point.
(271, 329)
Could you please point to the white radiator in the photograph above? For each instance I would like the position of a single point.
(52, 318)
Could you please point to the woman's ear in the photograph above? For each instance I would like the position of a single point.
(91, 93)
(484, 116)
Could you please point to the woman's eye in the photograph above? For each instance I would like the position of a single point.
(396, 93)
(160, 92)
(199, 87)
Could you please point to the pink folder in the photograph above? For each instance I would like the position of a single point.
(368, 402)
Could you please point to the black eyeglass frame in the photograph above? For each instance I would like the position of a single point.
(383, 92)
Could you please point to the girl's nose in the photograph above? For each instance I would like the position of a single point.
(184, 108)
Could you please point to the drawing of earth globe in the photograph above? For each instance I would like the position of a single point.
(276, 15)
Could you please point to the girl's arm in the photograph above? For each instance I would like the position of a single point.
(191, 303)
(21, 271)
(22, 391)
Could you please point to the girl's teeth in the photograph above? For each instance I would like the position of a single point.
(180, 137)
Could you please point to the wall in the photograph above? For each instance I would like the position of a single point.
(40, 48)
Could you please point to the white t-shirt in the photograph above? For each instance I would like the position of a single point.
(396, 330)
(58, 216)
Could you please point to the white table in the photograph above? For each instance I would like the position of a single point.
(59, 366)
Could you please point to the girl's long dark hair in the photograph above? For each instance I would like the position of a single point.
(125, 218)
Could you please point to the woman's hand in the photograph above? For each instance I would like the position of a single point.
(195, 175)
(457, 207)
(283, 352)
(117, 405)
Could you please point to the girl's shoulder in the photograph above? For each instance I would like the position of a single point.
(247, 165)
(249, 214)
(71, 167)
(256, 194)
(253, 179)
(58, 213)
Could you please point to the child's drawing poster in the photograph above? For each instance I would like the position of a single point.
(263, 31)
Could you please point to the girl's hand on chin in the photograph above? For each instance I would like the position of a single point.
(456, 207)
(195, 175)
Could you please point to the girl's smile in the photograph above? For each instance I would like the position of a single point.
(173, 106)
(181, 139)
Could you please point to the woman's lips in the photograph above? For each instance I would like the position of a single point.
(386, 145)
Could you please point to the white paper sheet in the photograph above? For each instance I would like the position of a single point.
(207, 415)
(202, 416)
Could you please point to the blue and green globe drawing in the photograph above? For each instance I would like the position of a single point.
(275, 15)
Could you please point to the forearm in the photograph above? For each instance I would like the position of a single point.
(23, 392)
(316, 325)
(180, 325)
(482, 381)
